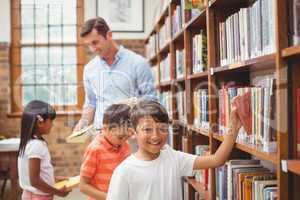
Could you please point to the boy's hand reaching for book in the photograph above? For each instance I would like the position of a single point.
(234, 122)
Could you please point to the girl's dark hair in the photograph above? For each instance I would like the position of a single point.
(117, 115)
(30, 114)
(149, 108)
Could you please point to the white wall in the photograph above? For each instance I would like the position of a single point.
(5, 21)
(151, 8)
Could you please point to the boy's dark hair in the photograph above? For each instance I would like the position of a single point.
(98, 23)
(32, 111)
(149, 108)
(117, 115)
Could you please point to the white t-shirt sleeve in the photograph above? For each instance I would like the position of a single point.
(118, 186)
(185, 162)
(36, 149)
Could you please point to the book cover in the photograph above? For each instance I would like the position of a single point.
(243, 106)
(69, 183)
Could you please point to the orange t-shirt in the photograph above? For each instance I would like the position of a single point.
(100, 160)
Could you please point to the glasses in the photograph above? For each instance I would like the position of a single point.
(160, 128)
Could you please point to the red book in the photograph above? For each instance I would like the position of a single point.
(243, 106)
(298, 123)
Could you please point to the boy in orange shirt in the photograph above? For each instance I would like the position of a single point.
(106, 152)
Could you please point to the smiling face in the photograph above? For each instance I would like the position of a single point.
(151, 137)
(99, 44)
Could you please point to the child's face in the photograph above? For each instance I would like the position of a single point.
(117, 135)
(151, 135)
(44, 127)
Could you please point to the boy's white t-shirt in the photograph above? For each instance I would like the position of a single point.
(35, 148)
(159, 179)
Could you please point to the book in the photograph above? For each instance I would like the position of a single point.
(82, 135)
(70, 183)
(243, 106)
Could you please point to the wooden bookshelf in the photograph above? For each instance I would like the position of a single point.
(291, 51)
(276, 61)
(294, 166)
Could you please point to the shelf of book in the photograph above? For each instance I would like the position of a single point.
(291, 51)
(199, 75)
(254, 150)
(265, 60)
(294, 166)
(269, 47)
(199, 187)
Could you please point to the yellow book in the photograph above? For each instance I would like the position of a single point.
(69, 183)
(82, 135)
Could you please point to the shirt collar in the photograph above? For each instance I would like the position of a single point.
(108, 145)
(118, 55)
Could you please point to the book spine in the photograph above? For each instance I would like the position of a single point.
(298, 123)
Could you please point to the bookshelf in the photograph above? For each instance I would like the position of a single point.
(277, 57)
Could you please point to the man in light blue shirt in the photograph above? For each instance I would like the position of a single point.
(114, 74)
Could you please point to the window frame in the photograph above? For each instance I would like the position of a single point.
(16, 106)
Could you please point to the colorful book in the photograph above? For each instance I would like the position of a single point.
(69, 183)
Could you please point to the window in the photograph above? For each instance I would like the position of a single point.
(47, 56)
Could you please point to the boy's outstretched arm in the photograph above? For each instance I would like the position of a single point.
(223, 152)
(86, 188)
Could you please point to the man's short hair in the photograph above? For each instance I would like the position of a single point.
(98, 23)
(150, 108)
(117, 115)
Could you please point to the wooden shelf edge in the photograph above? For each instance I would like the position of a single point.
(291, 51)
(253, 150)
(201, 131)
(294, 166)
(199, 187)
(246, 63)
(198, 75)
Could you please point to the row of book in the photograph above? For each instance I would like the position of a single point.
(165, 98)
(256, 111)
(180, 63)
(201, 176)
(245, 180)
(152, 46)
(248, 33)
(155, 74)
(200, 98)
(199, 52)
(181, 100)
(164, 33)
(164, 67)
